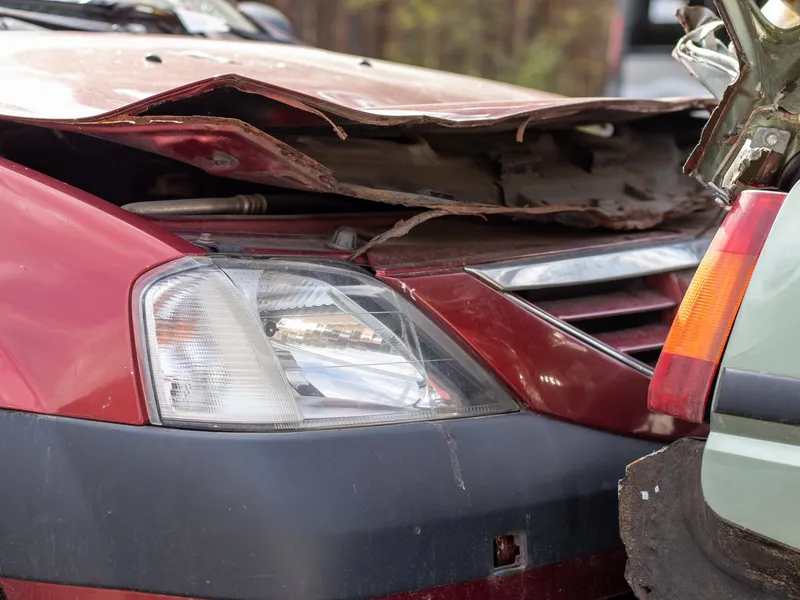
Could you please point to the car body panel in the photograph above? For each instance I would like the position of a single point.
(222, 106)
(48, 79)
(68, 266)
(555, 373)
(439, 245)
(751, 466)
(576, 579)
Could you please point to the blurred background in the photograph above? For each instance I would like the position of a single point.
(572, 47)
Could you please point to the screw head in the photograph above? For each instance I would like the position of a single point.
(223, 160)
(270, 328)
(771, 139)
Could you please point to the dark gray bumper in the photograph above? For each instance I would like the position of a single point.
(326, 514)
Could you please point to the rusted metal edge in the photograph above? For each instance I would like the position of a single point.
(411, 115)
(252, 155)
(404, 226)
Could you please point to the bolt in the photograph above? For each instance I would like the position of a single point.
(771, 139)
(205, 237)
(222, 160)
(270, 328)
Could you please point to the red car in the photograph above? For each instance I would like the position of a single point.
(236, 364)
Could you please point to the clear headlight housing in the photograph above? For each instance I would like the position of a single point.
(268, 344)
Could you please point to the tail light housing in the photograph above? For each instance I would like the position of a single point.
(687, 368)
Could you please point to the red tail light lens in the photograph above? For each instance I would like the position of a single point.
(688, 365)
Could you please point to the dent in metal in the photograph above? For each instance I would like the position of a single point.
(764, 95)
(71, 77)
(306, 87)
(584, 268)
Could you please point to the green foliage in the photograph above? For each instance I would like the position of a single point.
(556, 45)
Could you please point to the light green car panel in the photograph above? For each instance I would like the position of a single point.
(751, 469)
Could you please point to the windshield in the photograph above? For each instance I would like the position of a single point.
(199, 17)
(220, 9)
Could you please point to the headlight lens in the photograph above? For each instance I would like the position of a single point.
(283, 344)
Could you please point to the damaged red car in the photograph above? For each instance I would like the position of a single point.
(280, 323)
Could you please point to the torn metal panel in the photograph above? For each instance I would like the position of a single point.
(219, 146)
(634, 179)
(401, 228)
(268, 110)
(71, 77)
(409, 164)
(765, 96)
(631, 181)
(702, 53)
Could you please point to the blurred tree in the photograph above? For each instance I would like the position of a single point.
(556, 45)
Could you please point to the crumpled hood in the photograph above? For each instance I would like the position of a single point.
(232, 110)
(85, 76)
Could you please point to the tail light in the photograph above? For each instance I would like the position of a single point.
(688, 365)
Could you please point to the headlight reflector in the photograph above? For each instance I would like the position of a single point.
(285, 344)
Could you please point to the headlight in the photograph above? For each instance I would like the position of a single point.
(283, 344)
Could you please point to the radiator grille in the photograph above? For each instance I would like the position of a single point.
(631, 315)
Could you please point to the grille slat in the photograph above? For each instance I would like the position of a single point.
(607, 305)
(638, 339)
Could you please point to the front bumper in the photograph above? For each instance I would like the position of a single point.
(346, 514)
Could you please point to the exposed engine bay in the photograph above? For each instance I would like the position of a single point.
(178, 159)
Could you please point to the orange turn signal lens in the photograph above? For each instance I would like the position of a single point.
(688, 365)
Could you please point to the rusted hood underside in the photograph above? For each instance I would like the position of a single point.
(308, 119)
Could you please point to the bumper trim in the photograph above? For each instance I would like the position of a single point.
(577, 579)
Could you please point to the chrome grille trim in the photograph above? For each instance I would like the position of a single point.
(587, 267)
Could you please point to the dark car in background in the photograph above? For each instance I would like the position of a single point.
(281, 323)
